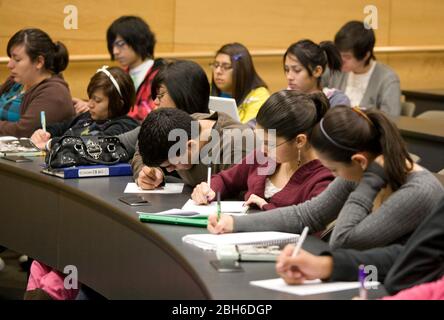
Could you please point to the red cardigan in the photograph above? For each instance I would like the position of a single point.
(307, 182)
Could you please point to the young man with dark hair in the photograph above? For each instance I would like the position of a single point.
(131, 42)
(368, 83)
(204, 137)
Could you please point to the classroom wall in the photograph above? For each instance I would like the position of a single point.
(204, 25)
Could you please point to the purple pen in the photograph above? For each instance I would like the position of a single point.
(362, 288)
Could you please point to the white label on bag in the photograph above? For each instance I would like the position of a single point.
(96, 172)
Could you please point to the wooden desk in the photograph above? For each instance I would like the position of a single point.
(425, 138)
(431, 99)
(81, 222)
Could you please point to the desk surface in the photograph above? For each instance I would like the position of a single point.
(437, 94)
(81, 222)
(430, 129)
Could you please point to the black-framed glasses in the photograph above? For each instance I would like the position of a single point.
(160, 95)
(223, 66)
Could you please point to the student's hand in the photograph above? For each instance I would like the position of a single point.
(304, 266)
(225, 224)
(149, 178)
(203, 194)
(80, 106)
(256, 200)
(40, 138)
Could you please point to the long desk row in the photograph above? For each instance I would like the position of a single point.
(424, 138)
(81, 223)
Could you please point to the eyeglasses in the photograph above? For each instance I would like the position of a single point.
(119, 44)
(160, 95)
(278, 145)
(223, 66)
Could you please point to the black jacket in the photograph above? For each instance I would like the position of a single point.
(83, 125)
(420, 260)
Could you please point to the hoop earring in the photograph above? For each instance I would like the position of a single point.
(299, 158)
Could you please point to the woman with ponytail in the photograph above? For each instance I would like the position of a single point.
(286, 171)
(378, 198)
(304, 64)
(35, 84)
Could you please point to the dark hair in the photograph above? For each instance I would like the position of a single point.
(291, 112)
(245, 77)
(117, 105)
(38, 43)
(136, 33)
(355, 37)
(154, 144)
(187, 84)
(311, 55)
(348, 131)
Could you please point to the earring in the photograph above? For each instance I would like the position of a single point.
(299, 158)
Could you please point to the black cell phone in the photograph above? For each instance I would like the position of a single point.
(135, 200)
(18, 159)
(227, 265)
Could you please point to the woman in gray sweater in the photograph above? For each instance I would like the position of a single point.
(379, 196)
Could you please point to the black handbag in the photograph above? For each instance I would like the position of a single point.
(69, 151)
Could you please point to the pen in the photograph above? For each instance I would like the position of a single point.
(43, 120)
(218, 206)
(362, 288)
(209, 177)
(301, 240)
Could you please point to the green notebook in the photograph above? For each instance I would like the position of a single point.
(198, 221)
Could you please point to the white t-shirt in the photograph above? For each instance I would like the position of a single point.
(270, 189)
(357, 85)
(138, 73)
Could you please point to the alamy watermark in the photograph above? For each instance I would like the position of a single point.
(71, 280)
(371, 18)
(225, 148)
(71, 21)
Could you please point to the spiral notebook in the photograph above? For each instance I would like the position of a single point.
(267, 238)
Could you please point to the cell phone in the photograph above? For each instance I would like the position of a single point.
(18, 159)
(227, 265)
(135, 201)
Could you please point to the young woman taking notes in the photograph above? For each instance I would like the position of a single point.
(379, 196)
(291, 173)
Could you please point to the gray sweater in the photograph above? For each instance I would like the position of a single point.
(383, 90)
(351, 204)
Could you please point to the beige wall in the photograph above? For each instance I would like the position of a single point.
(202, 25)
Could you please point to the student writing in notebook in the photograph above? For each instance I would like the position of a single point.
(296, 175)
(234, 76)
(112, 95)
(378, 197)
(131, 43)
(411, 271)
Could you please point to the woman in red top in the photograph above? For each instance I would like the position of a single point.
(285, 171)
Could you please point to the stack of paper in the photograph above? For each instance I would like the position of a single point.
(227, 207)
(310, 287)
(212, 241)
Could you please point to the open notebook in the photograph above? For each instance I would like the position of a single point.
(212, 241)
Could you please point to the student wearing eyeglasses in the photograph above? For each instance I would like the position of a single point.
(234, 76)
(296, 174)
(131, 42)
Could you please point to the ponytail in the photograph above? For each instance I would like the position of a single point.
(321, 103)
(61, 58)
(334, 61)
(343, 132)
(397, 161)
